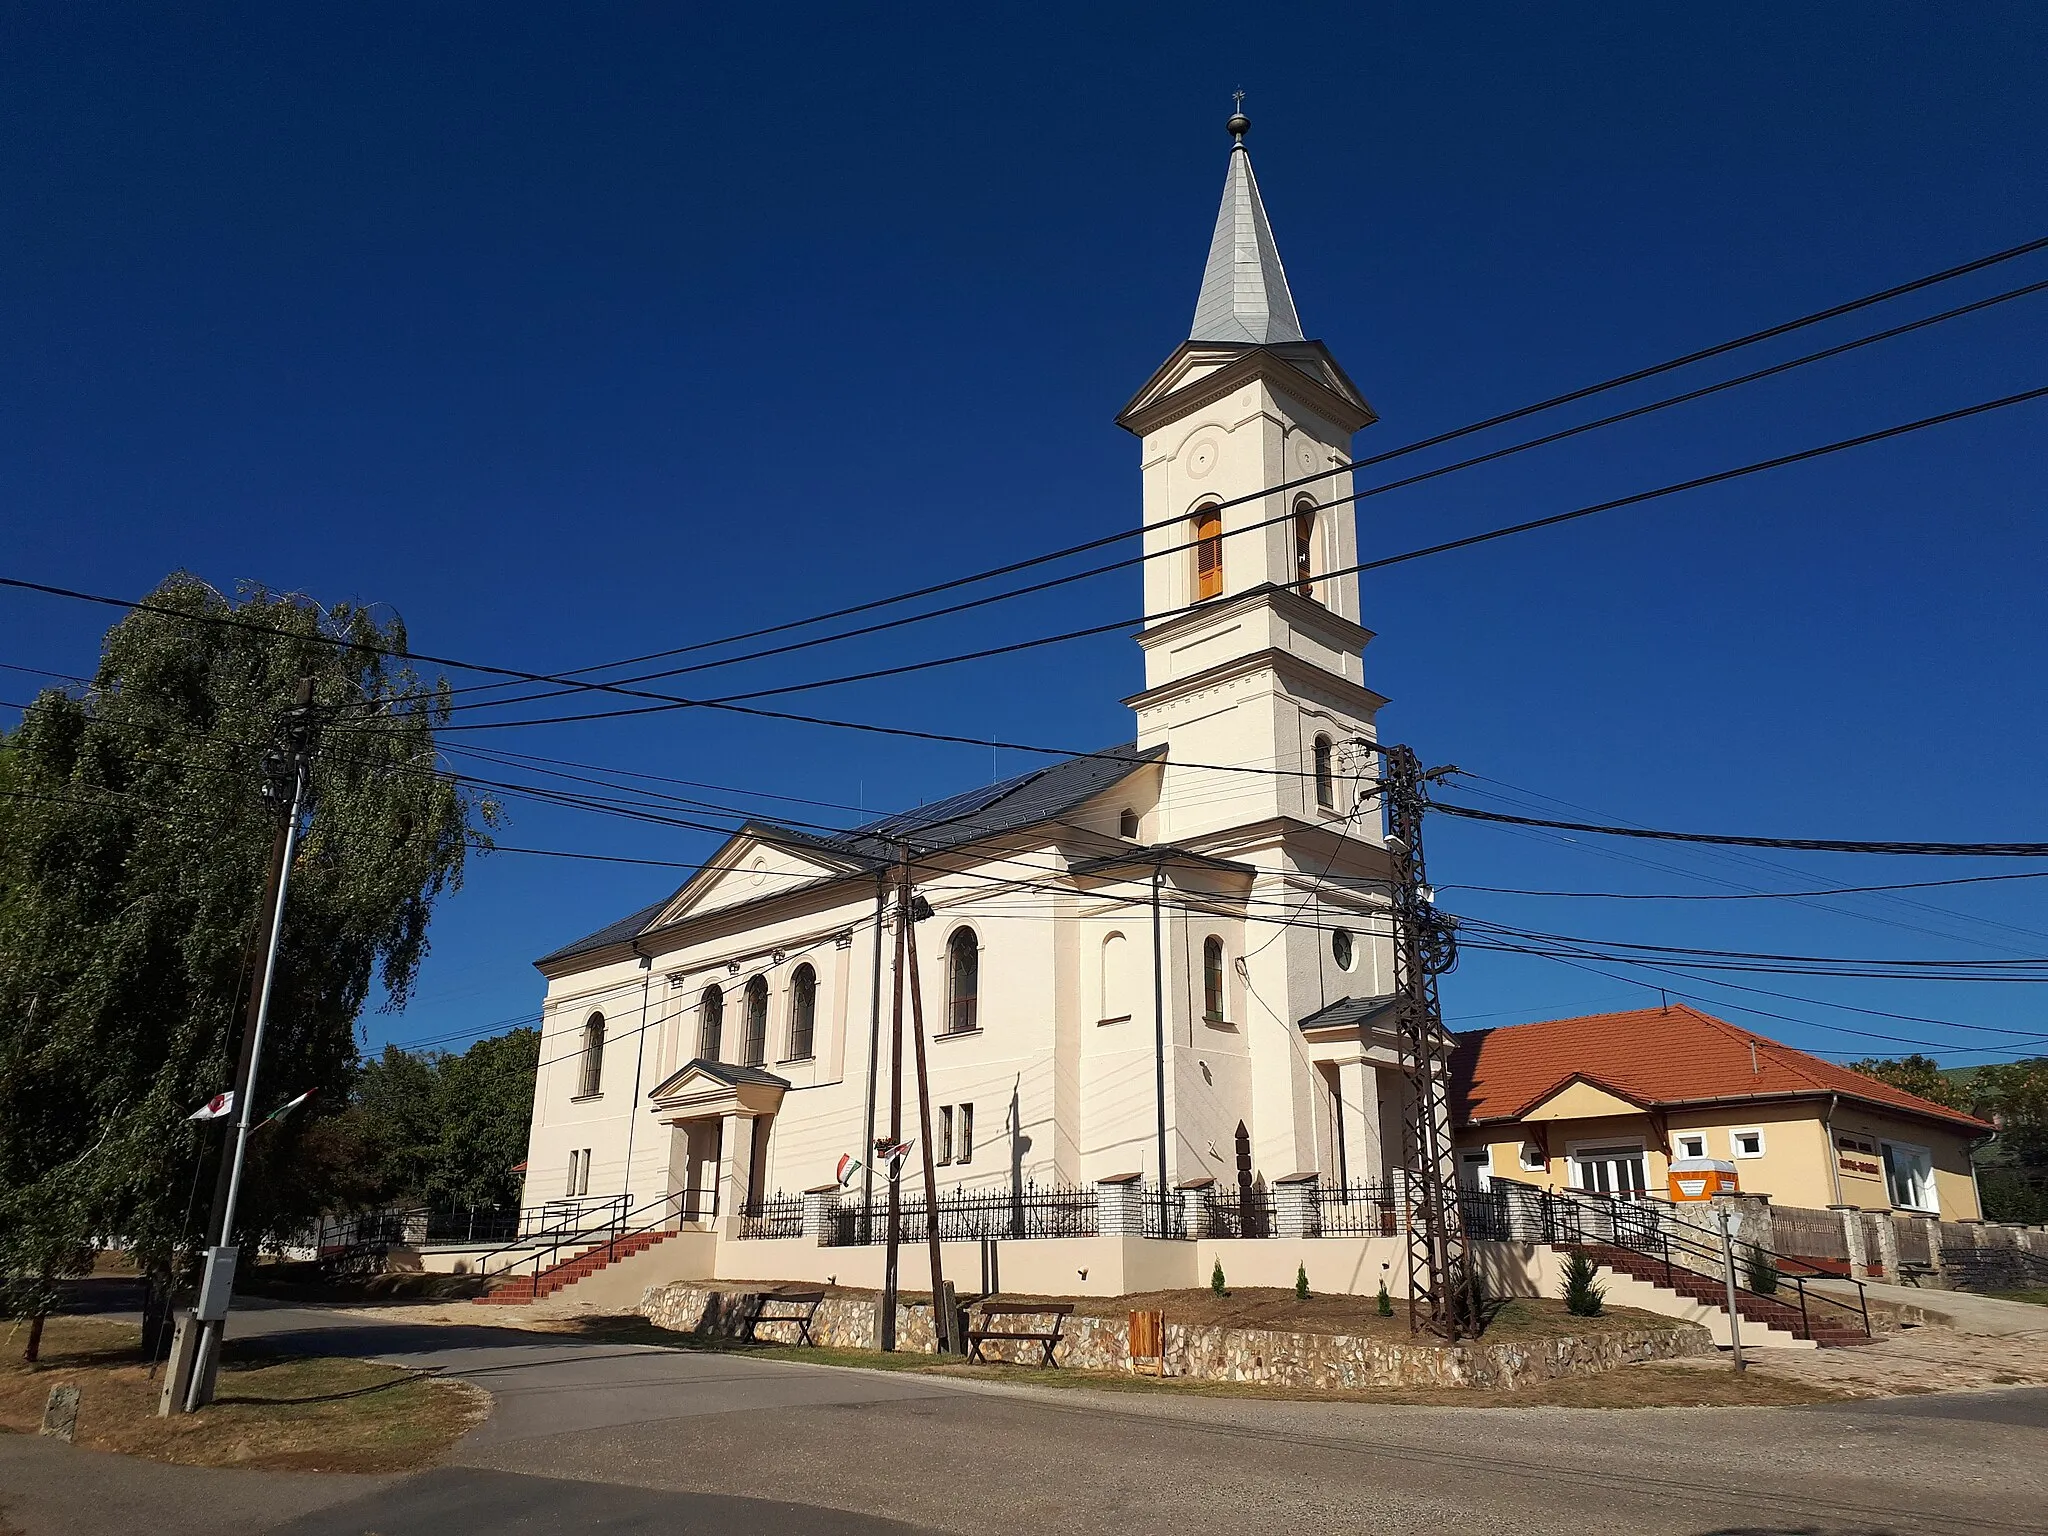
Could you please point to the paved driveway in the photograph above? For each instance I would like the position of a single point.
(590, 1436)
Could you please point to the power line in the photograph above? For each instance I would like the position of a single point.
(1806, 844)
(739, 700)
(1357, 496)
(1569, 397)
(1754, 895)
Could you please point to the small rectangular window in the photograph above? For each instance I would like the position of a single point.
(575, 1163)
(966, 1147)
(1692, 1146)
(944, 1149)
(1748, 1143)
(1532, 1158)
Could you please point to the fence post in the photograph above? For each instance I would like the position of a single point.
(1851, 1218)
(821, 1213)
(1887, 1255)
(1296, 1205)
(1194, 1206)
(1932, 1224)
(1118, 1209)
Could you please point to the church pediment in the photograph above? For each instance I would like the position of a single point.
(702, 1087)
(753, 867)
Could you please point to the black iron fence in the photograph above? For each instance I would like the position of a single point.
(1021, 1211)
(1165, 1215)
(1243, 1211)
(1357, 1210)
(773, 1216)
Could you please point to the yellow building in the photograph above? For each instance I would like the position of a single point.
(1606, 1103)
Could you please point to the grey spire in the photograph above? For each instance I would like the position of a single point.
(1244, 288)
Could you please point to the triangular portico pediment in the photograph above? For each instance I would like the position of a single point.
(700, 1088)
(753, 867)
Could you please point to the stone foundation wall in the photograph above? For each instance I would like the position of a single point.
(1214, 1354)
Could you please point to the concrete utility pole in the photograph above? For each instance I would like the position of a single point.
(892, 1237)
(1159, 1038)
(288, 771)
(1425, 946)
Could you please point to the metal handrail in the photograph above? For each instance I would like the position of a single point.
(1577, 1202)
(569, 1231)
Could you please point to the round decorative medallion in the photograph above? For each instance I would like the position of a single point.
(1307, 454)
(1202, 458)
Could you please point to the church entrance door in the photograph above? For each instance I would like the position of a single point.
(693, 1167)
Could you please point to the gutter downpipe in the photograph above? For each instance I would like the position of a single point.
(867, 1151)
(1827, 1124)
(1159, 1034)
(639, 1058)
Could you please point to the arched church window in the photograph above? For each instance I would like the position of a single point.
(1305, 548)
(1208, 541)
(1326, 774)
(1116, 980)
(593, 1057)
(963, 981)
(710, 1022)
(754, 1034)
(1212, 979)
(803, 1012)
(1127, 824)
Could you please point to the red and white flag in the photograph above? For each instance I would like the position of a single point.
(215, 1108)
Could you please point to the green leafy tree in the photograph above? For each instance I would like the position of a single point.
(445, 1130)
(134, 846)
(1216, 1279)
(1916, 1074)
(1301, 1282)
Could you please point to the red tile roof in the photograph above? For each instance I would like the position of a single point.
(1655, 1056)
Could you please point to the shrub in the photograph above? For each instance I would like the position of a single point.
(1583, 1294)
(1301, 1282)
(1469, 1304)
(1386, 1302)
(1762, 1272)
(1216, 1279)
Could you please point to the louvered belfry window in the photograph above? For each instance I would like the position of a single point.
(1208, 553)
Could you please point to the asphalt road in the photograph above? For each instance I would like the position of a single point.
(596, 1437)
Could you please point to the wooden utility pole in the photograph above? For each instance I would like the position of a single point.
(942, 1319)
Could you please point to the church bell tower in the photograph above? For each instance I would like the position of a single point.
(1253, 655)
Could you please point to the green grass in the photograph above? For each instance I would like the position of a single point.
(2034, 1298)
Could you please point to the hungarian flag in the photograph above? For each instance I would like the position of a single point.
(218, 1107)
(849, 1165)
(284, 1109)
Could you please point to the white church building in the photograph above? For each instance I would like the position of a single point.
(1189, 930)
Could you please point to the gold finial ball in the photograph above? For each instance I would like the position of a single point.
(1239, 125)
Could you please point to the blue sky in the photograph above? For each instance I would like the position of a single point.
(577, 334)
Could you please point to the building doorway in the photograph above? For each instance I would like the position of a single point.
(694, 1154)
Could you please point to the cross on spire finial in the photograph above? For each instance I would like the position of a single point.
(1239, 123)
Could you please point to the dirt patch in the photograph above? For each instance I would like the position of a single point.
(306, 1414)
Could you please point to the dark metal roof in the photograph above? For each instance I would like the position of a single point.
(728, 1072)
(1027, 800)
(1356, 1012)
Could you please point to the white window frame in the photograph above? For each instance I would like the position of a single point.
(1691, 1136)
(1930, 1190)
(1735, 1141)
(1540, 1164)
(943, 1152)
(963, 1148)
(1612, 1149)
(1480, 1158)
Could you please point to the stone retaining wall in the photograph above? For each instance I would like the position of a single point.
(1211, 1353)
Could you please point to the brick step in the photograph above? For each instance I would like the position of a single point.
(1710, 1292)
(519, 1290)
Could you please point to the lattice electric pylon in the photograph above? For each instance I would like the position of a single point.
(1425, 946)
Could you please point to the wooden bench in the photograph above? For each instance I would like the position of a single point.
(798, 1307)
(1914, 1273)
(1049, 1318)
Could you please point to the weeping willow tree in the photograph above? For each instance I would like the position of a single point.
(134, 846)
